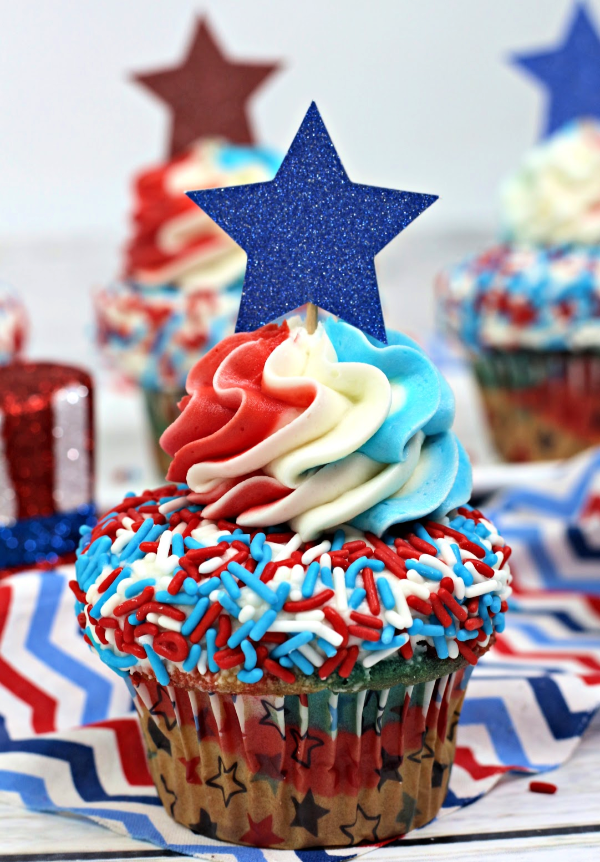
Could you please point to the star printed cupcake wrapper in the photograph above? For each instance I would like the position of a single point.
(310, 770)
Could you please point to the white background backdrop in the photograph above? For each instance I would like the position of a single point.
(417, 94)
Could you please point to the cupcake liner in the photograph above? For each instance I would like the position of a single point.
(162, 410)
(540, 405)
(311, 770)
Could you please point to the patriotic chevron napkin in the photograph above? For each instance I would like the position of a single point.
(70, 742)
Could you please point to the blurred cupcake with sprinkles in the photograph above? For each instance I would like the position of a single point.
(182, 275)
(528, 310)
(298, 609)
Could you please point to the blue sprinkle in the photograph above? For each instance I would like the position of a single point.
(84, 529)
(310, 580)
(328, 648)
(283, 591)
(177, 599)
(464, 635)
(133, 552)
(261, 625)
(266, 558)
(130, 494)
(256, 546)
(249, 677)
(387, 596)
(450, 631)
(326, 577)
(192, 544)
(191, 587)
(139, 587)
(422, 533)
(396, 642)
(137, 538)
(230, 606)
(234, 537)
(193, 658)
(461, 572)
(255, 584)
(168, 499)
(357, 598)
(230, 585)
(206, 588)
(431, 631)
(416, 628)
(441, 647)
(284, 661)
(496, 605)
(302, 662)
(499, 622)
(483, 613)
(490, 559)
(426, 571)
(458, 522)
(133, 619)
(239, 634)
(339, 537)
(194, 618)
(292, 644)
(160, 671)
(387, 634)
(353, 570)
(249, 654)
(211, 636)
(177, 544)
(482, 530)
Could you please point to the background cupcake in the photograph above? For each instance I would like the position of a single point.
(13, 325)
(182, 275)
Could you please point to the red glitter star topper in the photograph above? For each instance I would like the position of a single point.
(207, 94)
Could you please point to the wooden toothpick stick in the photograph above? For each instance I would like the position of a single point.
(312, 317)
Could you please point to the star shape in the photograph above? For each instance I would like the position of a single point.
(570, 72)
(409, 809)
(204, 826)
(163, 708)
(346, 771)
(203, 723)
(305, 745)
(171, 793)
(269, 770)
(308, 813)
(191, 776)
(390, 768)
(437, 773)
(207, 93)
(272, 715)
(261, 833)
(361, 821)
(159, 739)
(227, 782)
(311, 235)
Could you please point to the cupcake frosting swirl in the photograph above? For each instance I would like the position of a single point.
(318, 430)
(554, 197)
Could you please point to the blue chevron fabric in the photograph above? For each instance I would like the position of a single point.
(69, 741)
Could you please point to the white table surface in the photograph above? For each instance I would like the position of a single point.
(510, 823)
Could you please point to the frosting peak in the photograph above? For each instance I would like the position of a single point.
(318, 430)
(554, 197)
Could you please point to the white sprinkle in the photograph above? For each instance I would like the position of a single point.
(127, 523)
(209, 566)
(164, 546)
(173, 505)
(446, 552)
(203, 662)
(399, 622)
(415, 577)
(378, 655)
(169, 565)
(110, 604)
(293, 545)
(339, 584)
(325, 561)
(123, 538)
(214, 596)
(311, 654)
(247, 613)
(180, 528)
(164, 622)
(295, 595)
(410, 588)
(481, 589)
(307, 626)
(309, 556)
(452, 648)
(315, 615)
(297, 574)
(436, 563)
(404, 612)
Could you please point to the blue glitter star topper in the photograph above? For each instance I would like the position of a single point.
(570, 72)
(311, 234)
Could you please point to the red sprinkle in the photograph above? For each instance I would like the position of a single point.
(81, 619)
(372, 596)
(281, 672)
(364, 633)
(504, 606)
(473, 623)
(273, 638)
(542, 787)
(191, 526)
(177, 582)
(365, 552)
(466, 652)
(328, 666)
(338, 623)
(406, 651)
(261, 654)
(190, 568)
(149, 547)
(440, 611)
(133, 604)
(349, 662)
(109, 579)
(240, 558)
(308, 604)
(87, 640)
(128, 631)
(77, 591)
(473, 606)
(171, 645)
(419, 605)
(228, 658)
(146, 629)
(482, 568)
(458, 610)
(224, 632)
(391, 560)
(200, 555)
(205, 623)
(119, 640)
(447, 584)
(366, 620)
(421, 545)
(351, 547)
(226, 525)
(268, 573)
(100, 634)
(280, 538)
(462, 540)
(406, 551)
(134, 649)
(108, 623)
(158, 608)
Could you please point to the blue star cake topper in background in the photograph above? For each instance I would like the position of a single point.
(570, 72)
(311, 234)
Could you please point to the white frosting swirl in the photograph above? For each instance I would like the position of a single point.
(554, 197)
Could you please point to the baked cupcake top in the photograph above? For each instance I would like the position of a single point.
(322, 539)
(13, 325)
(540, 289)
